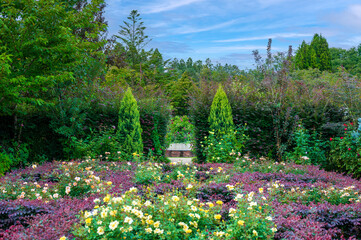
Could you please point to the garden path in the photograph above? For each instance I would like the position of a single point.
(180, 160)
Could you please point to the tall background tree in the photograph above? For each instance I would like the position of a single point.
(314, 55)
(46, 46)
(133, 38)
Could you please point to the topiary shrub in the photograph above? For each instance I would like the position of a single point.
(220, 116)
(129, 129)
(224, 140)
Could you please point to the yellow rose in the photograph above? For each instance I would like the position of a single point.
(88, 221)
(241, 222)
(217, 216)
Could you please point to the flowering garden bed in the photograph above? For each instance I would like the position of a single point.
(251, 199)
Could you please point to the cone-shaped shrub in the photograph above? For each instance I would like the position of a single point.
(222, 143)
(129, 130)
(220, 117)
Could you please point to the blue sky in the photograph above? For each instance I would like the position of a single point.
(226, 31)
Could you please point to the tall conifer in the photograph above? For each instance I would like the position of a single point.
(220, 117)
(129, 129)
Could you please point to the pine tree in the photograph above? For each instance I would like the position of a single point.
(220, 117)
(129, 129)
(133, 37)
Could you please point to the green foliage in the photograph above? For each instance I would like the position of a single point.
(132, 216)
(350, 59)
(180, 130)
(315, 55)
(323, 58)
(96, 144)
(180, 94)
(302, 148)
(201, 101)
(309, 148)
(43, 54)
(226, 147)
(133, 37)
(345, 152)
(154, 117)
(129, 132)
(147, 174)
(303, 58)
(5, 163)
(18, 153)
(220, 116)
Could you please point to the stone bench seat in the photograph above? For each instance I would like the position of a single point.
(179, 150)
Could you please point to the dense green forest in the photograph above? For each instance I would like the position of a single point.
(62, 80)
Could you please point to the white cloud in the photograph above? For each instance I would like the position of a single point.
(186, 30)
(273, 36)
(233, 49)
(167, 6)
(350, 18)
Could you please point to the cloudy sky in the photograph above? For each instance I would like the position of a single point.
(226, 31)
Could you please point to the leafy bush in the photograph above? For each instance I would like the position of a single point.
(5, 163)
(145, 175)
(103, 143)
(345, 152)
(308, 148)
(224, 147)
(173, 216)
(180, 130)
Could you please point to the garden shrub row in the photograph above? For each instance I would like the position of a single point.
(273, 111)
(84, 121)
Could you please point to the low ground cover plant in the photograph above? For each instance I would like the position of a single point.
(250, 199)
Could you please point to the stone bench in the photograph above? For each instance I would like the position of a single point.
(179, 150)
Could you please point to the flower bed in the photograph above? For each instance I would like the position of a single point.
(251, 199)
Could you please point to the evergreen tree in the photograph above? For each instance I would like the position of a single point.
(180, 91)
(315, 55)
(220, 117)
(323, 56)
(129, 129)
(133, 37)
(302, 60)
(312, 57)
